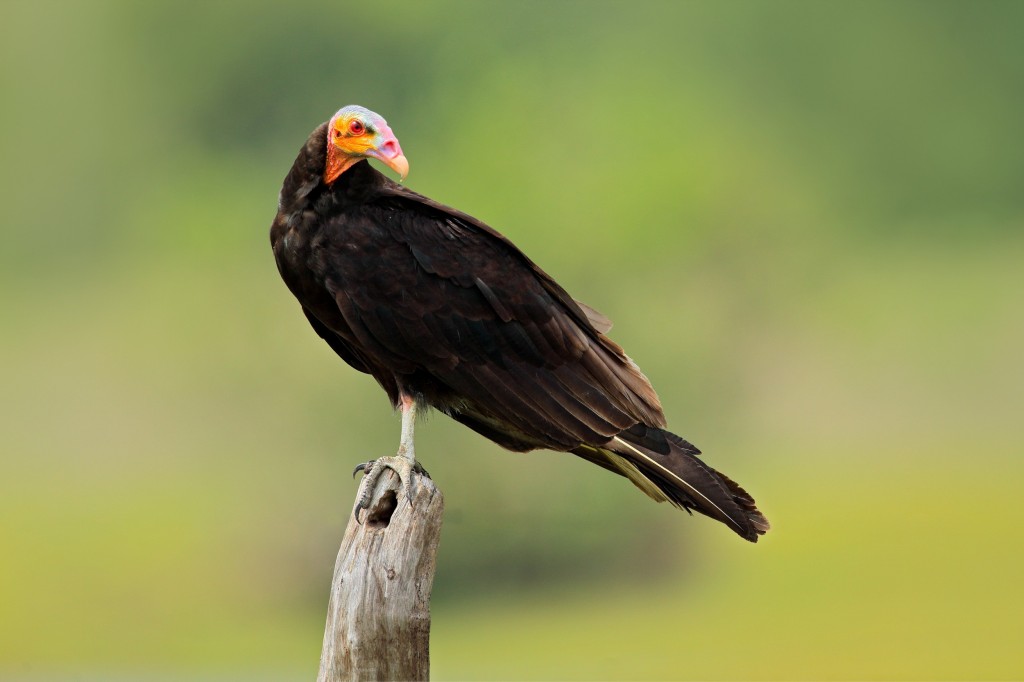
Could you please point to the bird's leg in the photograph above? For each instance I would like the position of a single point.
(403, 463)
(406, 446)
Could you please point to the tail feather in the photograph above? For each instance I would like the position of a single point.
(665, 467)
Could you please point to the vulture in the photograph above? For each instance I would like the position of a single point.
(445, 312)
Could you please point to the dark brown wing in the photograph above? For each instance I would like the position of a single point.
(462, 316)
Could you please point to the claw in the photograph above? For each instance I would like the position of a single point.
(374, 468)
(364, 500)
(362, 503)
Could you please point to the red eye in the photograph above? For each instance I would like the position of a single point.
(356, 127)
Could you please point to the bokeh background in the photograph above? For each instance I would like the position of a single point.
(806, 220)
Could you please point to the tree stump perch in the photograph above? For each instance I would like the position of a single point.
(378, 618)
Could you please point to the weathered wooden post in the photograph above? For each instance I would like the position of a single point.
(378, 619)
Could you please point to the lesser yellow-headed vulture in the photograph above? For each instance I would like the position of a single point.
(443, 311)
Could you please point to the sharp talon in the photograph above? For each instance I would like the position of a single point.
(367, 490)
(373, 470)
(361, 504)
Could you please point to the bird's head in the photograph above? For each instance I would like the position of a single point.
(355, 133)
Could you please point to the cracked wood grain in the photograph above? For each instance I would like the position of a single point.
(378, 618)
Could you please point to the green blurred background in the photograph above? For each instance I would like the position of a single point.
(806, 219)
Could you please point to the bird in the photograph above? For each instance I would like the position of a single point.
(445, 312)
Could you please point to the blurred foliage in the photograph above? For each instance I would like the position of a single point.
(805, 218)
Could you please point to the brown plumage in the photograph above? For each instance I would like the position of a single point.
(442, 309)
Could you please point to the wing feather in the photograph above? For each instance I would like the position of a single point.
(437, 294)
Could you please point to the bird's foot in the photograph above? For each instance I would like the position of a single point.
(401, 465)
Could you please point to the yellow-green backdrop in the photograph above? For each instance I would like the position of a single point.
(805, 219)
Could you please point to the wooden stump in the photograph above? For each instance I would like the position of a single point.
(378, 619)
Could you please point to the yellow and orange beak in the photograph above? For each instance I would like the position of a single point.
(356, 133)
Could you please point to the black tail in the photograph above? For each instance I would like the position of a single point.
(666, 467)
